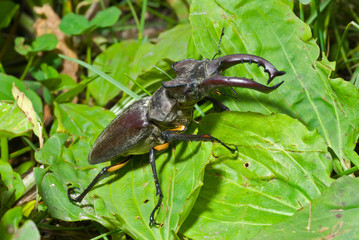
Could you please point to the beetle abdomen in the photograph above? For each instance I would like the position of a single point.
(127, 130)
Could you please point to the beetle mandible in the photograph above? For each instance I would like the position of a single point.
(149, 124)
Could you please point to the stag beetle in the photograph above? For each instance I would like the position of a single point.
(149, 124)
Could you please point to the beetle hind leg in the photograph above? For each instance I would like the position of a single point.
(103, 171)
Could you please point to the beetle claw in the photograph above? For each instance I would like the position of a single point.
(216, 66)
(220, 64)
(275, 74)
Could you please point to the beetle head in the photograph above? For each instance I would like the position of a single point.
(184, 88)
(196, 79)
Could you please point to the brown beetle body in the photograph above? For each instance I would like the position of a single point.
(150, 123)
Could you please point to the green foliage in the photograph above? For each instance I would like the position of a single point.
(8, 10)
(10, 226)
(331, 215)
(46, 42)
(76, 24)
(291, 142)
(13, 121)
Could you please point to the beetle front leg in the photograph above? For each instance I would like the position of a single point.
(218, 103)
(169, 136)
(158, 187)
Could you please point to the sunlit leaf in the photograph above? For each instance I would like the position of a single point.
(13, 121)
(74, 24)
(46, 42)
(280, 167)
(271, 30)
(26, 106)
(333, 215)
(106, 17)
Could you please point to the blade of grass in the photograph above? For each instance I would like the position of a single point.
(2, 70)
(4, 150)
(134, 14)
(322, 7)
(20, 152)
(103, 75)
(28, 65)
(159, 69)
(340, 49)
(319, 26)
(138, 85)
(142, 23)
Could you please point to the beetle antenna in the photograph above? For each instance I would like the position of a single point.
(219, 44)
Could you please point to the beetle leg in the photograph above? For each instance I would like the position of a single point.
(158, 187)
(218, 103)
(104, 170)
(169, 136)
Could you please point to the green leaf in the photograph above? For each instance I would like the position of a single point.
(69, 95)
(280, 167)
(6, 83)
(153, 63)
(10, 220)
(28, 231)
(21, 47)
(13, 121)
(271, 30)
(334, 214)
(178, 36)
(10, 229)
(116, 60)
(81, 120)
(26, 106)
(50, 78)
(8, 10)
(305, 1)
(126, 199)
(46, 42)
(14, 184)
(74, 24)
(132, 59)
(67, 157)
(181, 9)
(108, 78)
(106, 17)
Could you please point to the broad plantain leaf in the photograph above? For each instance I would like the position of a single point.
(125, 199)
(333, 215)
(280, 167)
(271, 30)
(130, 59)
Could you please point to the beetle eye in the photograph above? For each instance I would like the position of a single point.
(193, 87)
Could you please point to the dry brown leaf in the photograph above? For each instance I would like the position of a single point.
(51, 25)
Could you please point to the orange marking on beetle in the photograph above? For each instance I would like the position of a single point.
(206, 135)
(217, 92)
(162, 146)
(178, 128)
(117, 166)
